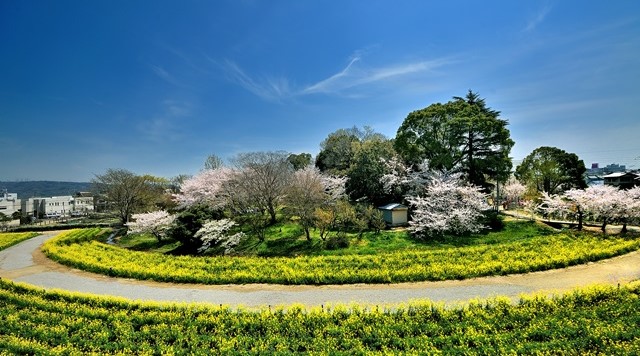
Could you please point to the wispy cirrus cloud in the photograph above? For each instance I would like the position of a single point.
(537, 19)
(269, 89)
(166, 76)
(333, 80)
(354, 74)
(168, 124)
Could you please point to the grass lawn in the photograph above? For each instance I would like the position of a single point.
(146, 242)
(286, 239)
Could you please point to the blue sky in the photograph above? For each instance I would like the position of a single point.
(156, 86)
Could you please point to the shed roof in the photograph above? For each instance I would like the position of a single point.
(393, 206)
(619, 174)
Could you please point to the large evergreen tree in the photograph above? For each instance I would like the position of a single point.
(461, 135)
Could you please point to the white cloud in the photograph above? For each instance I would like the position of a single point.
(177, 108)
(169, 124)
(164, 75)
(272, 89)
(333, 81)
(537, 19)
(353, 75)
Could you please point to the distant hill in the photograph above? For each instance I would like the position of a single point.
(30, 189)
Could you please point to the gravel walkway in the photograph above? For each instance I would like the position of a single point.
(25, 263)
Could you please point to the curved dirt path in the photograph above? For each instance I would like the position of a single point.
(25, 262)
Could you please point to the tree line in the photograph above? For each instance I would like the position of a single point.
(444, 162)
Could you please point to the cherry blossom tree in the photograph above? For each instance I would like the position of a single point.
(334, 187)
(625, 206)
(156, 223)
(207, 187)
(447, 205)
(215, 234)
(530, 207)
(601, 203)
(393, 181)
(633, 207)
(441, 201)
(574, 204)
(513, 191)
(403, 180)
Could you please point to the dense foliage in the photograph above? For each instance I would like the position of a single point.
(364, 182)
(336, 151)
(551, 170)
(462, 134)
(529, 253)
(601, 320)
(188, 222)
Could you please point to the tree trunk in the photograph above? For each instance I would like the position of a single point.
(579, 220)
(546, 185)
(272, 214)
(604, 225)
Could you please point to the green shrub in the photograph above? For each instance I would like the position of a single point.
(337, 242)
(189, 222)
(493, 221)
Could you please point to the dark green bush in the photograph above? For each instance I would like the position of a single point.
(493, 220)
(336, 242)
(189, 222)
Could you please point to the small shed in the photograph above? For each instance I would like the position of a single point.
(394, 214)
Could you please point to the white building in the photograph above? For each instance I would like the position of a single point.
(53, 207)
(82, 204)
(9, 203)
